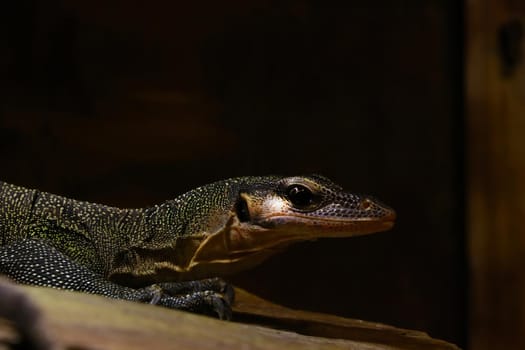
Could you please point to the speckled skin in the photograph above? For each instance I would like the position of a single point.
(138, 254)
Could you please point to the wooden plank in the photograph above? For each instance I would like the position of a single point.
(495, 102)
(76, 320)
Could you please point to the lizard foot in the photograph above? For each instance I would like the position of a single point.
(210, 296)
(216, 284)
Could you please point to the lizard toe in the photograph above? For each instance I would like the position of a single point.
(229, 293)
(220, 306)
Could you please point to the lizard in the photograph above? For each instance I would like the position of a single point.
(176, 253)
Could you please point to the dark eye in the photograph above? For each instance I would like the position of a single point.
(300, 196)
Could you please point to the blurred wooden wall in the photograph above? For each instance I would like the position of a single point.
(130, 103)
(495, 82)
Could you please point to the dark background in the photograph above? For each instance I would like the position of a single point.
(130, 103)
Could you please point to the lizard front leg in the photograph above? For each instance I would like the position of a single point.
(37, 263)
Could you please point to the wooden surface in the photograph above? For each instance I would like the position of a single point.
(496, 179)
(82, 321)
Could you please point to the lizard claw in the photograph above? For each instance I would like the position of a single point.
(229, 293)
(220, 306)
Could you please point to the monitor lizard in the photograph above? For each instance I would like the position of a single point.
(173, 254)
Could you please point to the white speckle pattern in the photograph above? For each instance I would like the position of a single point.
(38, 264)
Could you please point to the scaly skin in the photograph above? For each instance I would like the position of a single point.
(153, 254)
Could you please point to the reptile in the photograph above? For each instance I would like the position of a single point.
(174, 254)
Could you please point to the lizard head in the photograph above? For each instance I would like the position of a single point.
(309, 207)
(266, 214)
(235, 224)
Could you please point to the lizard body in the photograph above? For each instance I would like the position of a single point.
(158, 254)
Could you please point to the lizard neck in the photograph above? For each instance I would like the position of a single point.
(155, 235)
(172, 234)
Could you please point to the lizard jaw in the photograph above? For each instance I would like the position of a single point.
(242, 245)
(327, 227)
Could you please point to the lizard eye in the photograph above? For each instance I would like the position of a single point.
(300, 196)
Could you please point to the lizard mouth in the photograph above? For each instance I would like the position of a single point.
(266, 236)
(319, 227)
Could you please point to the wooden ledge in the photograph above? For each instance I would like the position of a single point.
(76, 320)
